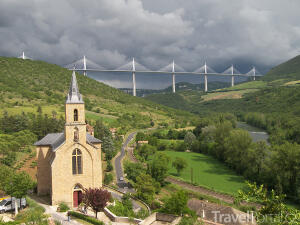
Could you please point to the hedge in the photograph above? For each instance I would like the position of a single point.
(86, 218)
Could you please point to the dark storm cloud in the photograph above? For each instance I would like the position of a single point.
(111, 32)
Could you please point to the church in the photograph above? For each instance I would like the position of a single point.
(70, 161)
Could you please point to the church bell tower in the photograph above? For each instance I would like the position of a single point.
(75, 126)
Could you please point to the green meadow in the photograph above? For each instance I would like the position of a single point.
(207, 172)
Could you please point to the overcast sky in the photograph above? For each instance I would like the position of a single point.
(110, 32)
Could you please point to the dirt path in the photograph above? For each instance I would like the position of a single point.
(201, 190)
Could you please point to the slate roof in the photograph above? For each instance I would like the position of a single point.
(56, 139)
(92, 139)
(74, 96)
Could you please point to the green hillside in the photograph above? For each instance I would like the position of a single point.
(271, 102)
(289, 70)
(276, 92)
(27, 84)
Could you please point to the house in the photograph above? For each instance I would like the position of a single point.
(113, 132)
(69, 161)
(142, 142)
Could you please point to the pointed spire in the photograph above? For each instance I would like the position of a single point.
(74, 96)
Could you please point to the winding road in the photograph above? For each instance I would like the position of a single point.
(118, 163)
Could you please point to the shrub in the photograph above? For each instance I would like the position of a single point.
(33, 164)
(63, 207)
(109, 166)
(85, 218)
(108, 178)
(33, 215)
(189, 221)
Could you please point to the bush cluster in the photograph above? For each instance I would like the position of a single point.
(86, 218)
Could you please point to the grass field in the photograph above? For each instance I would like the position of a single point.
(226, 95)
(208, 172)
(291, 83)
(247, 85)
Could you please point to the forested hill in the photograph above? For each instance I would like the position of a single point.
(270, 102)
(27, 84)
(287, 70)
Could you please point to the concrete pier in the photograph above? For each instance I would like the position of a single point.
(173, 83)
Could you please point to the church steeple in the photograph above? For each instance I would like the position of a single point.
(75, 127)
(74, 96)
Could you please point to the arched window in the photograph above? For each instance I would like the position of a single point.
(75, 115)
(77, 161)
(76, 135)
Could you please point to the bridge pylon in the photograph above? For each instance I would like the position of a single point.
(173, 78)
(84, 66)
(133, 78)
(232, 77)
(205, 77)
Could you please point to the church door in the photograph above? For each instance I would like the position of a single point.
(77, 198)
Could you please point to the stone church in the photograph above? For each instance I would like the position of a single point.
(70, 161)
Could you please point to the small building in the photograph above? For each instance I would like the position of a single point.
(90, 129)
(142, 142)
(113, 132)
(69, 161)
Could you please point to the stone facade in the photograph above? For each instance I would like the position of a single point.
(61, 173)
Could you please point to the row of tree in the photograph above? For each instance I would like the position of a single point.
(281, 127)
(277, 166)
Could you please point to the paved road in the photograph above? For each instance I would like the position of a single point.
(118, 166)
(61, 217)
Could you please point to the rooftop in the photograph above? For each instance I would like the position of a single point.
(56, 139)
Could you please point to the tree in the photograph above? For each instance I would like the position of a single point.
(133, 170)
(109, 166)
(17, 186)
(144, 188)
(158, 167)
(176, 204)
(108, 178)
(179, 164)
(285, 161)
(101, 130)
(236, 148)
(146, 150)
(273, 210)
(180, 147)
(108, 147)
(96, 198)
(140, 136)
(152, 123)
(189, 138)
(222, 131)
(257, 157)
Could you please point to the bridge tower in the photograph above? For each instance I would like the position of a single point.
(173, 77)
(232, 76)
(205, 77)
(84, 66)
(133, 78)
